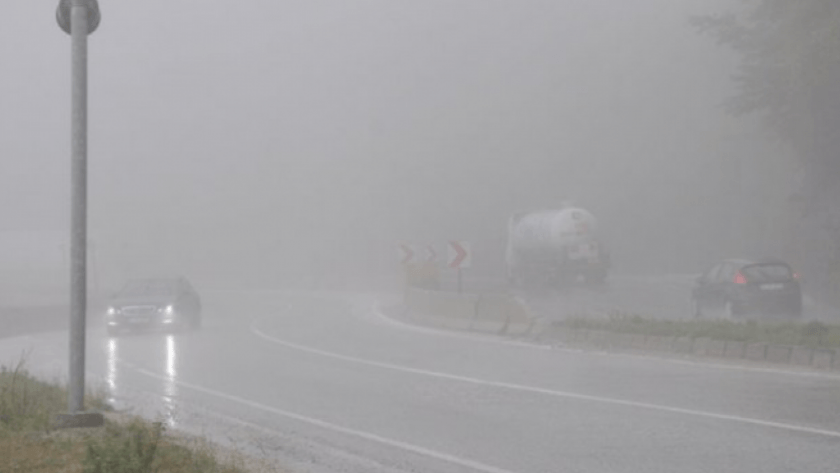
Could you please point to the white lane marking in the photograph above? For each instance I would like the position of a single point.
(446, 457)
(545, 391)
(193, 427)
(323, 448)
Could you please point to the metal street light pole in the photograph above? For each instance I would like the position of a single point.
(78, 18)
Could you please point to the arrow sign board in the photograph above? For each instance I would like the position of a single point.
(429, 254)
(405, 254)
(458, 254)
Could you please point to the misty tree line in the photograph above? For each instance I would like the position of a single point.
(789, 75)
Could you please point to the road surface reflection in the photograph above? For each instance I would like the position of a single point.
(170, 387)
(111, 376)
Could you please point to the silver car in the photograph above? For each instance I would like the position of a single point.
(167, 304)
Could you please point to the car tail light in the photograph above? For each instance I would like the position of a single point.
(796, 276)
(739, 278)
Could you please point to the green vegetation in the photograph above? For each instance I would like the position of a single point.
(28, 444)
(789, 68)
(140, 447)
(25, 402)
(811, 334)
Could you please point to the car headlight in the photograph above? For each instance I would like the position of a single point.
(112, 311)
(168, 311)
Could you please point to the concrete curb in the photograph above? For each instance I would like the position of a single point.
(507, 315)
(487, 313)
(818, 358)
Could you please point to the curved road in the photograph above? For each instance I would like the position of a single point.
(326, 383)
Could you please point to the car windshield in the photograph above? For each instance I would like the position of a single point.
(149, 287)
(767, 273)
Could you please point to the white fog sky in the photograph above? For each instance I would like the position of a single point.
(232, 138)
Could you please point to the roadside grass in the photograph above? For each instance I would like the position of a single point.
(810, 334)
(125, 445)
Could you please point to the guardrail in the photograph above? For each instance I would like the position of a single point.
(488, 313)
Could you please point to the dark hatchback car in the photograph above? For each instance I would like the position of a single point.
(743, 287)
(168, 304)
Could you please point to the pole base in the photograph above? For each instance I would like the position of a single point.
(78, 420)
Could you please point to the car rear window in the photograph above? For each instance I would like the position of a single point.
(767, 273)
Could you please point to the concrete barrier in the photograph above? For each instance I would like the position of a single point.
(651, 342)
(715, 348)
(459, 308)
(488, 313)
(638, 342)
(664, 343)
(491, 314)
(699, 346)
(801, 355)
(519, 318)
(416, 304)
(461, 311)
(658, 343)
(682, 345)
(778, 354)
(620, 341)
(539, 326)
(733, 349)
(557, 333)
(580, 335)
(440, 309)
(824, 358)
(598, 338)
(756, 351)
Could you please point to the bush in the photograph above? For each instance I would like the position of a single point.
(28, 406)
(124, 450)
(25, 402)
(140, 447)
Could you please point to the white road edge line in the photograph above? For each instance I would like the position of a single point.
(446, 457)
(545, 391)
(242, 423)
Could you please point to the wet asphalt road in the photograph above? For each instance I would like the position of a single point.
(328, 384)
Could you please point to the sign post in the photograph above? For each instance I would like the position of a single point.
(78, 18)
(459, 256)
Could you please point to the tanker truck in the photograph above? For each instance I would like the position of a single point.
(555, 248)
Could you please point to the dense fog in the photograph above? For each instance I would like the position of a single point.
(295, 143)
